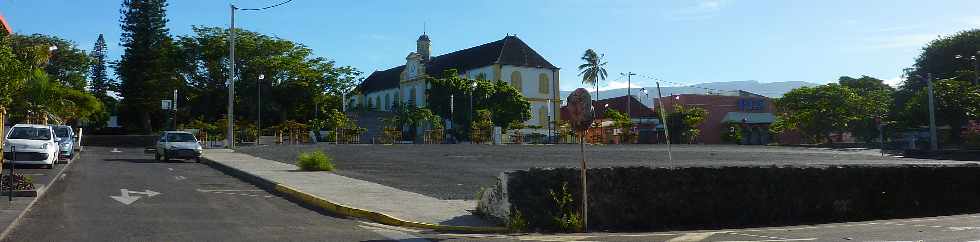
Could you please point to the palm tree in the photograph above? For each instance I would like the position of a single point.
(593, 70)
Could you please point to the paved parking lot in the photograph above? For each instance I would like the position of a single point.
(458, 171)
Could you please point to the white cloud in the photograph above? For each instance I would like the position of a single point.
(609, 85)
(703, 9)
(901, 41)
(894, 82)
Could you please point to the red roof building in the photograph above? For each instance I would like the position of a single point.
(5, 27)
(753, 112)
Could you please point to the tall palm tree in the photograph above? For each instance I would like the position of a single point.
(593, 70)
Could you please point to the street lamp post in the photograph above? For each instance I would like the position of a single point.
(471, 107)
(258, 113)
(976, 67)
(230, 136)
(933, 140)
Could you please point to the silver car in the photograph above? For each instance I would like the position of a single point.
(178, 145)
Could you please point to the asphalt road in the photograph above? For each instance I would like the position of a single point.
(195, 203)
(458, 171)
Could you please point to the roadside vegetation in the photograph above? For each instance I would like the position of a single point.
(859, 105)
(315, 161)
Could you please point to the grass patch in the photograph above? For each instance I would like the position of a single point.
(315, 161)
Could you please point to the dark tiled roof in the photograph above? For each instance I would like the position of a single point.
(381, 80)
(508, 51)
(619, 104)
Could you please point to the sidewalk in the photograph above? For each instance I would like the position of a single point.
(351, 197)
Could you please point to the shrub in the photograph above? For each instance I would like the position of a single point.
(315, 161)
(567, 219)
(516, 222)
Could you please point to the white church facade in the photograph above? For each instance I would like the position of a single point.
(508, 59)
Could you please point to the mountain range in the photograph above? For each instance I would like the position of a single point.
(768, 89)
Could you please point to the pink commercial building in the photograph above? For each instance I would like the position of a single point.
(752, 112)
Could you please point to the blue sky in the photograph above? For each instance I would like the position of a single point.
(683, 41)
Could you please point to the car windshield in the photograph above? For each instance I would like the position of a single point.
(61, 132)
(180, 137)
(30, 133)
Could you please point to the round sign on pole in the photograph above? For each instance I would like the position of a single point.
(580, 109)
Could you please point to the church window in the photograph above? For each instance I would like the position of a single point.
(515, 80)
(543, 83)
(543, 116)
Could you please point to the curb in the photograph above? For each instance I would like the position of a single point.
(39, 193)
(344, 210)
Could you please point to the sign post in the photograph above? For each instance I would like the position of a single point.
(580, 112)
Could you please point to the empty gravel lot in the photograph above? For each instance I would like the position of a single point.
(458, 171)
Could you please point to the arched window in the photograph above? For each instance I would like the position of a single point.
(411, 98)
(377, 100)
(387, 101)
(370, 104)
(543, 83)
(515, 80)
(543, 116)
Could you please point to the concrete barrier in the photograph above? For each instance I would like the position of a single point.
(643, 198)
(120, 140)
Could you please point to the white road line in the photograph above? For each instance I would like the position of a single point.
(394, 234)
(770, 240)
(758, 236)
(170, 169)
(692, 237)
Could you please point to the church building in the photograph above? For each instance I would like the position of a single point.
(508, 59)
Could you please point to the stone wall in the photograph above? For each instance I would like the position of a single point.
(643, 198)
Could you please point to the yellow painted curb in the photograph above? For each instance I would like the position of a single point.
(376, 216)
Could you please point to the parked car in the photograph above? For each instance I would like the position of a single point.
(31, 144)
(179, 145)
(67, 144)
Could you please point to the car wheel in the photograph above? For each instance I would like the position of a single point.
(197, 159)
(49, 166)
(166, 159)
(156, 157)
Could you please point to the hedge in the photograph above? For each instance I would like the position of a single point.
(644, 199)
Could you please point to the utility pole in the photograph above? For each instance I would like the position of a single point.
(629, 94)
(933, 140)
(229, 131)
(663, 118)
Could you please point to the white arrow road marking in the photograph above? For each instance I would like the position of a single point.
(115, 150)
(180, 178)
(127, 199)
(170, 169)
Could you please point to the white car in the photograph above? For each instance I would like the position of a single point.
(179, 145)
(31, 144)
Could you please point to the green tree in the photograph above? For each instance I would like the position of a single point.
(683, 123)
(506, 105)
(101, 84)
(956, 101)
(818, 111)
(146, 70)
(938, 58)
(296, 85)
(876, 100)
(67, 65)
(593, 70)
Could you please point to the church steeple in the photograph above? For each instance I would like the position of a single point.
(422, 46)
